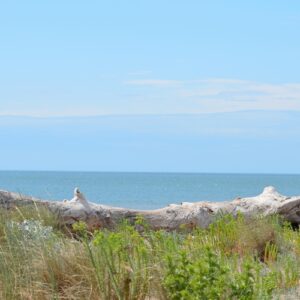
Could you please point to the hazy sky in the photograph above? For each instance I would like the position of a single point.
(128, 57)
(83, 58)
(256, 141)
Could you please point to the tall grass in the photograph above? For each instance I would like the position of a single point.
(235, 258)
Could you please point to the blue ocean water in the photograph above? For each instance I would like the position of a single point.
(144, 190)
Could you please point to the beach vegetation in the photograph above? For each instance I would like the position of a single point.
(234, 258)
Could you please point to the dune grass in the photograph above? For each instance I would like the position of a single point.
(235, 258)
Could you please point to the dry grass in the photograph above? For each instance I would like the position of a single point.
(124, 264)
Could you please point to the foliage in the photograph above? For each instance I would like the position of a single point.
(235, 258)
(211, 278)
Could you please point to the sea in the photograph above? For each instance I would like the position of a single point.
(144, 190)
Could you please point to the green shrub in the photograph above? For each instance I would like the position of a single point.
(235, 258)
(211, 278)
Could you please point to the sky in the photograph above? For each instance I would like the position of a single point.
(78, 63)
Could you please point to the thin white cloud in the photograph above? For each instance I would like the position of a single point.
(220, 95)
(166, 96)
(259, 94)
(221, 81)
(153, 82)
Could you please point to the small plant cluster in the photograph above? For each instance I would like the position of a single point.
(210, 277)
(234, 258)
(32, 230)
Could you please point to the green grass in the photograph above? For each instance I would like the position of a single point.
(235, 258)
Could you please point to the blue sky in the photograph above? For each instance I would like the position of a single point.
(139, 58)
(253, 141)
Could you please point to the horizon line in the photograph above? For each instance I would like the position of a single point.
(156, 172)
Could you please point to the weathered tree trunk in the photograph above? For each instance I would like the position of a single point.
(170, 218)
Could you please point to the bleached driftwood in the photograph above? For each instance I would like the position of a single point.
(171, 217)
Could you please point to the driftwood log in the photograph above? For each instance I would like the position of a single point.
(199, 214)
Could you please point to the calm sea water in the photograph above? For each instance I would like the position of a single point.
(144, 190)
